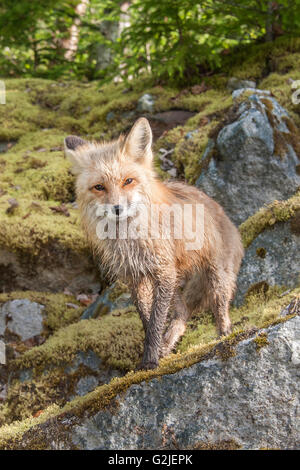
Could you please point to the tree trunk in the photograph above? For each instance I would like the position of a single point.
(71, 44)
(269, 23)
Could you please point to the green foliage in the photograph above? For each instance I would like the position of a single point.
(174, 40)
(179, 39)
(34, 37)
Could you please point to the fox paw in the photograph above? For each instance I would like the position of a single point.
(165, 350)
(225, 332)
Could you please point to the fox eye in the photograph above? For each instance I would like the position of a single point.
(99, 187)
(128, 181)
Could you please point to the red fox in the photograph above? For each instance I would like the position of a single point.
(117, 178)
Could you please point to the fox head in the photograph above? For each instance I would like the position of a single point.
(113, 177)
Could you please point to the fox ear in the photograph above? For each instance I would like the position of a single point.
(72, 145)
(139, 140)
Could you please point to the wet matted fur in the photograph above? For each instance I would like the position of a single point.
(164, 275)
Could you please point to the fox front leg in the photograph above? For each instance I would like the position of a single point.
(163, 294)
(142, 296)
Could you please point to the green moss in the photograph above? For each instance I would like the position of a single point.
(293, 137)
(27, 399)
(259, 60)
(277, 211)
(119, 289)
(15, 430)
(117, 339)
(260, 287)
(261, 341)
(38, 180)
(282, 139)
(187, 156)
(261, 252)
(225, 351)
(280, 87)
(40, 227)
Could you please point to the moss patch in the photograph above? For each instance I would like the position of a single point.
(260, 288)
(29, 399)
(261, 341)
(261, 252)
(190, 141)
(295, 223)
(119, 289)
(277, 211)
(13, 431)
(282, 139)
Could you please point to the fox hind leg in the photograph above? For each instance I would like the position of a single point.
(221, 292)
(177, 326)
(221, 314)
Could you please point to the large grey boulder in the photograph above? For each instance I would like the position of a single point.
(251, 399)
(253, 161)
(244, 394)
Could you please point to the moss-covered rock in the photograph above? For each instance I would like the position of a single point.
(272, 245)
(253, 158)
(59, 309)
(66, 361)
(81, 355)
(267, 217)
(72, 426)
(190, 141)
(273, 67)
(115, 297)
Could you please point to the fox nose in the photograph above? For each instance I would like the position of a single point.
(117, 209)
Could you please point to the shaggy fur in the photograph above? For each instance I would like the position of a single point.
(164, 275)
